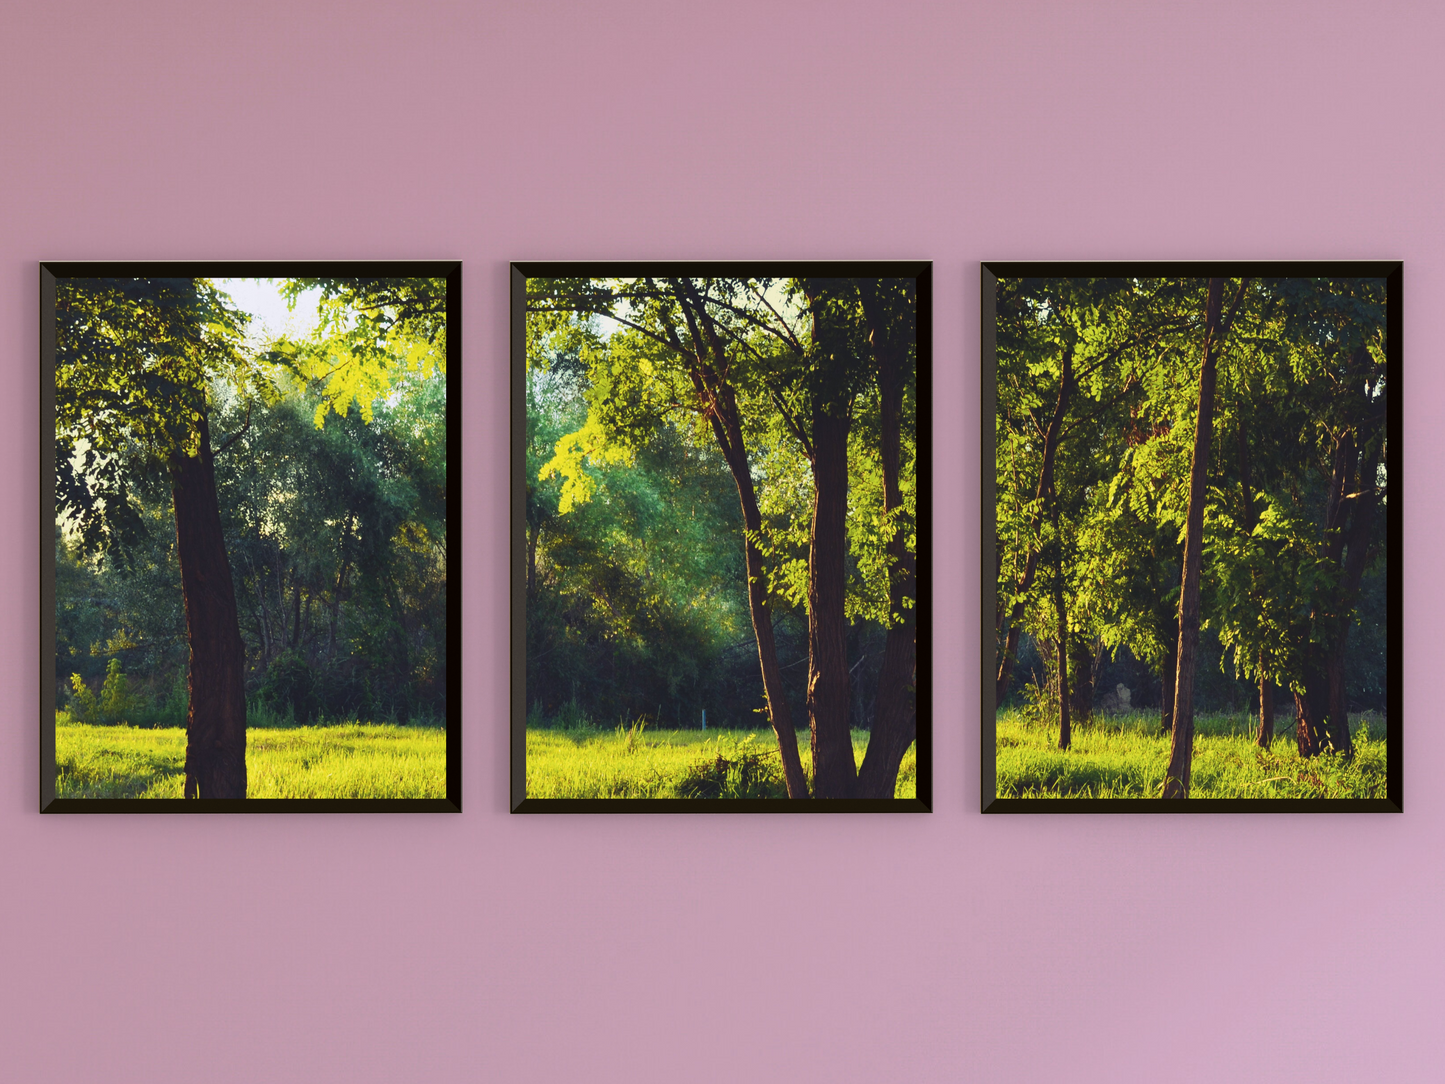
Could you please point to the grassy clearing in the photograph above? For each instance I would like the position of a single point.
(347, 760)
(634, 762)
(1126, 757)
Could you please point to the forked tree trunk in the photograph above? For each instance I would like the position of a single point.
(895, 718)
(216, 721)
(1181, 746)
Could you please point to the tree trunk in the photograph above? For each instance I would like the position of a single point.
(835, 775)
(1046, 483)
(1266, 712)
(1081, 681)
(1310, 706)
(532, 535)
(1357, 546)
(342, 566)
(1065, 734)
(1166, 680)
(1181, 748)
(895, 715)
(296, 614)
(728, 431)
(216, 722)
(718, 404)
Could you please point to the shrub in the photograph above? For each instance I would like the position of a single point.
(116, 703)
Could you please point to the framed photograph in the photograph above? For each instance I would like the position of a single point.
(250, 537)
(1191, 537)
(720, 537)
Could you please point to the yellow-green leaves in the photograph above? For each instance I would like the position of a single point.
(589, 445)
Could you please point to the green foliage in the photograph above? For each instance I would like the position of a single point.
(370, 333)
(336, 536)
(636, 585)
(134, 359)
(1301, 391)
(116, 704)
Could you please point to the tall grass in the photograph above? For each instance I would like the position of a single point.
(634, 761)
(283, 760)
(1127, 756)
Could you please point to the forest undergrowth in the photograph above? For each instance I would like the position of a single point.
(284, 759)
(1126, 756)
(580, 760)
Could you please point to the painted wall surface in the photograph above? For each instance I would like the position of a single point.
(949, 946)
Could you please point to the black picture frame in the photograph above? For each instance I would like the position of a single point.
(54, 272)
(921, 272)
(991, 272)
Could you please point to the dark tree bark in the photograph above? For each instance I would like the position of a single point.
(1065, 733)
(533, 532)
(1061, 635)
(1081, 681)
(1166, 678)
(1046, 484)
(728, 431)
(1310, 706)
(1266, 712)
(1248, 519)
(216, 721)
(296, 614)
(834, 773)
(895, 717)
(706, 366)
(1181, 748)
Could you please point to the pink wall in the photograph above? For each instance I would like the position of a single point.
(633, 948)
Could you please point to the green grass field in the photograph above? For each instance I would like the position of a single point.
(349, 760)
(1126, 757)
(585, 762)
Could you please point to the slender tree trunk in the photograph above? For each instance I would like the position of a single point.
(895, 715)
(1065, 733)
(1265, 734)
(1166, 679)
(1046, 482)
(532, 535)
(835, 775)
(728, 431)
(280, 598)
(762, 617)
(1061, 637)
(296, 614)
(1081, 681)
(263, 619)
(216, 721)
(707, 369)
(341, 570)
(1181, 749)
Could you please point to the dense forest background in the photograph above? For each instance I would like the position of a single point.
(333, 508)
(1102, 393)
